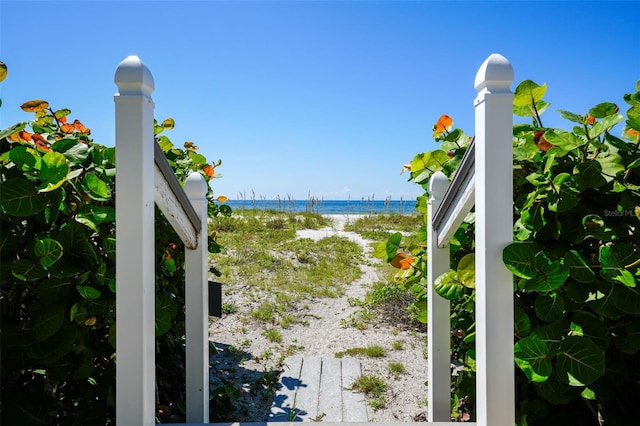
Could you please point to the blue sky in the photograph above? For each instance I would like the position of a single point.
(327, 98)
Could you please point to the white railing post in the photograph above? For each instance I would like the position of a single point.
(495, 387)
(197, 308)
(135, 245)
(438, 314)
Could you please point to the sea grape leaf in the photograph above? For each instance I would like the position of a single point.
(96, 188)
(528, 92)
(518, 258)
(563, 139)
(74, 151)
(589, 174)
(604, 109)
(611, 164)
(88, 292)
(48, 319)
(576, 118)
(531, 356)
(563, 197)
(580, 361)
(27, 270)
(48, 251)
(448, 286)
(612, 268)
(522, 322)
(605, 124)
(586, 324)
(467, 270)
(550, 308)
(18, 197)
(53, 171)
(578, 267)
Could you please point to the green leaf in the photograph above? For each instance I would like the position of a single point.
(586, 324)
(48, 319)
(611, 164)
(627, 337)
(531, 356)
(576, 118)
(612, 268)
(53, 171)
(551, 275)
(27, 159)
(48, 251)
(448, 286)
(27, 270)
(197, 159)
(580, 361)
(96, 188)
(53, 290)
(93, 215)
(578, 267)
(529, 111)
(563, 197)
(518, 258)
(522, 322)
(18, 197)
(605, 124)
(528, 92)
(467, 270)
(604, 109)
(550, 308)
(552, 334)
(589, 174)
(555, 391)
(88, 292)
(73, 150)
(564, 140)
(166, 310)
(393, 243)
(533, 218)
(13, 129)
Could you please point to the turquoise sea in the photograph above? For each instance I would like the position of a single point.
(328, 206)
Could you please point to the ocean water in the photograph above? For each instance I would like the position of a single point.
(328, 206)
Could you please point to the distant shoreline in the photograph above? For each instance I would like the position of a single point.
(350, 207)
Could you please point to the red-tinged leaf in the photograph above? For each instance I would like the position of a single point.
(40, 142)
(80, 127)
(541, 142)
(25, 136)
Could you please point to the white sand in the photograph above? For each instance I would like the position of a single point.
(325, 335)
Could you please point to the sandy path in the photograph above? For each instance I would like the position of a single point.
(325, 335)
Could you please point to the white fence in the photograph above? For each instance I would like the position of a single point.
(144, 179)
(484, 179)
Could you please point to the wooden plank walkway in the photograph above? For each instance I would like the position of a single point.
(317, 389)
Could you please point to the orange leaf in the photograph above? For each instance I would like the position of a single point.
(222, 199)
(80, 127)
(40, 142)
(402, 261)
(67, 128)
(63, 119)
(14, 137)
(25, 136)
(35, 105)
(591, 119)
(444, 124)
(208, 170)
(542, 143)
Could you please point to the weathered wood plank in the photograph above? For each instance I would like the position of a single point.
(354, 406)
(284, 400)
(330, 398)
(309, 389)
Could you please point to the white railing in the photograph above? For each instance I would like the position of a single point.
(484, 179)
(143, 179)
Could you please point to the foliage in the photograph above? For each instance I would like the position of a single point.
(575, 259)
(57, 190)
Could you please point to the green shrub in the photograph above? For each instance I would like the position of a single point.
(575, 259)
(57, 271)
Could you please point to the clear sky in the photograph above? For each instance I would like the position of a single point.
(327, 98)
